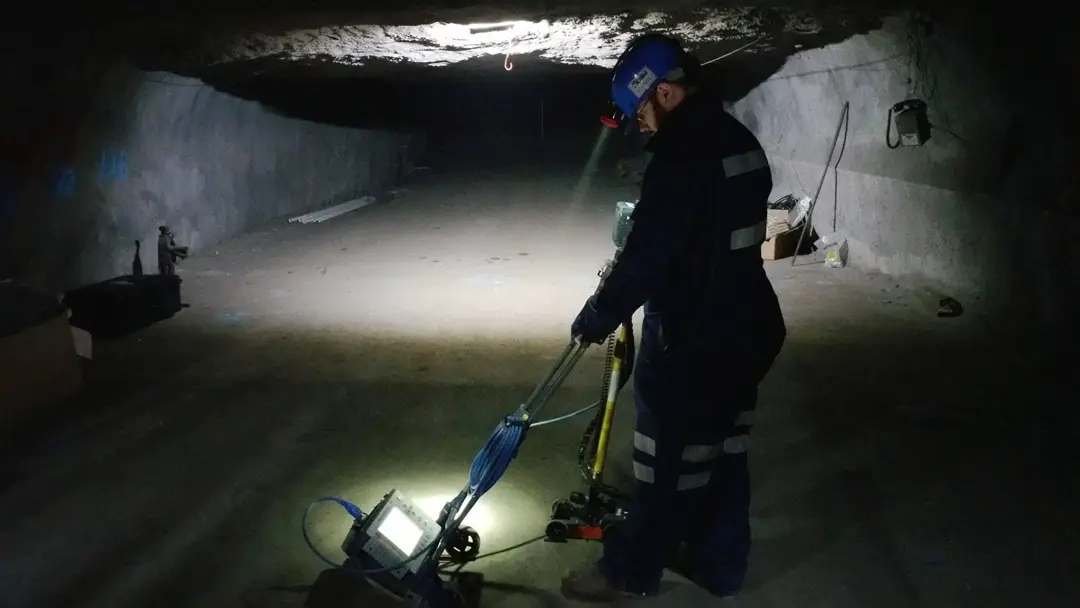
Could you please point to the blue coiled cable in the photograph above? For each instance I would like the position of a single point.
(494, 459)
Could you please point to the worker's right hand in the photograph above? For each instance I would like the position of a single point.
(589, 327)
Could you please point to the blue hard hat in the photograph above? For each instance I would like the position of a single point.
(646, 62)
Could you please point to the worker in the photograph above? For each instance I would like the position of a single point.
(712, 329)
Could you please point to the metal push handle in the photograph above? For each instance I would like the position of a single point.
(554, 379)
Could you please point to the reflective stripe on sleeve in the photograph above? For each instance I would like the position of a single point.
(750, 236)
(741, 164)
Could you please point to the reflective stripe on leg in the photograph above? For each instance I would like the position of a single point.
(701, 453)
(696, 466)
(644, 473)
(644, 443)
(644, 457)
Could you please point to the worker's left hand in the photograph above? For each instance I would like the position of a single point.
(590, 326)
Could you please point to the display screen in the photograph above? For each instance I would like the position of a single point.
(401, 531)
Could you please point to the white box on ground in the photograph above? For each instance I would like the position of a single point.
(84, 342)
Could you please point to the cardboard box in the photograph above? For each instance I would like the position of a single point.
(781, 245)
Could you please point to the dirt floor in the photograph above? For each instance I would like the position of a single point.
(900, 460)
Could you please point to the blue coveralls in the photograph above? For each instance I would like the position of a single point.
(712, 329)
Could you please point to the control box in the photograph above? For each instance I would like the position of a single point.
(395, 531)
(911, 121)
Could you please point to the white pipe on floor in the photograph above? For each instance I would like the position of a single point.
(309, 217)
(315, 215)
(331, 212)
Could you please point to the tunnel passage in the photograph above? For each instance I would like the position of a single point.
(101, 165)
(377, 349)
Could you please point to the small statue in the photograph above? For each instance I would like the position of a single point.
(168, 251)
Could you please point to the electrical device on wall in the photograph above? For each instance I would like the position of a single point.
(911, 122)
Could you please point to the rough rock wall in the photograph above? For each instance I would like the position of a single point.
(978, 208)
(149, 149)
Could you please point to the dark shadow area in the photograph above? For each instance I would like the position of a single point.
(857, 436)
(918, 453)
(22, 307)
(121, 305)
(1042, 54)
(493, 102)
(109, 381)
(341, 589)
(335, 587)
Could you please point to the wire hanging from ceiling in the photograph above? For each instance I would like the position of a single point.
(730, 53)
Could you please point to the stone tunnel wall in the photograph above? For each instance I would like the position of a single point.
(980, 209)
(151, 149)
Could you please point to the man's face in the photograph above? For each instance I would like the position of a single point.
(656, 107)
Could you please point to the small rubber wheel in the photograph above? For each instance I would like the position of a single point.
(608, 531)
(557, 531)
(464, 545)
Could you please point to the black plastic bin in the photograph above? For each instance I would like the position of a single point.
(121, 305)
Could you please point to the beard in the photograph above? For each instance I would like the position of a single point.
(658, 115)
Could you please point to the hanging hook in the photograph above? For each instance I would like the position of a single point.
(507, 64)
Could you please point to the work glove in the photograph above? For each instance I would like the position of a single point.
(590, 326)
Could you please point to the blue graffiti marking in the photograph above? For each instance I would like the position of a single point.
(120, 166)
(233, 317)
(113, 165)
(65, 184)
